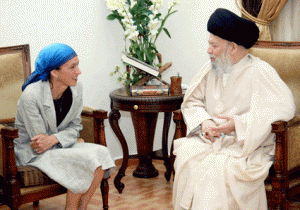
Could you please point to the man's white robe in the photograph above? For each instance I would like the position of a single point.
(230, 173)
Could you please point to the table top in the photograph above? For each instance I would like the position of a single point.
(121, 100)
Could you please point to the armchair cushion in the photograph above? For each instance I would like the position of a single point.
(11, 79)
(31, 176)
(286, 61)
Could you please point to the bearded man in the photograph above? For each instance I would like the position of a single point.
(228, 109)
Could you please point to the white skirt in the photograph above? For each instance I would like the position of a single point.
(74, 167)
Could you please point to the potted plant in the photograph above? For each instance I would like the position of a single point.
(142, 23)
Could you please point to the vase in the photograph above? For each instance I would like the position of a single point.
(175, 87)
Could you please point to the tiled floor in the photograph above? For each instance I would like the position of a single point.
(138, 194)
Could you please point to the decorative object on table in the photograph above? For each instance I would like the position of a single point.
(149, 90)
(175, 87)
(140, 64)
(142, 23)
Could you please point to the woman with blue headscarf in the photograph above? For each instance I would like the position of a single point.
(49, 120)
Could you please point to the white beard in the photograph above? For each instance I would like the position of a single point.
(222, 64)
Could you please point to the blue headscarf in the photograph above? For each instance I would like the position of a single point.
(50, 57)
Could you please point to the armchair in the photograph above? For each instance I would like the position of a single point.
(24, 184)
(283, 182)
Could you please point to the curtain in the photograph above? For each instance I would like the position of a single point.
(286, 27)
(252, 6)
(269, 11)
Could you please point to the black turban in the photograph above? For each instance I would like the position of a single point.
(229, 26)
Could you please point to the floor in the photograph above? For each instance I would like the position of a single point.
(138, 194)
(145, 194)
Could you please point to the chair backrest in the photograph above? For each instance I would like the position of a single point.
(285, 58)
(14, 69)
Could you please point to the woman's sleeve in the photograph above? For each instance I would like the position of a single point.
(29, 115)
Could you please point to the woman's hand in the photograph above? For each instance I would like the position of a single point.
(225, 128)
(42, 142)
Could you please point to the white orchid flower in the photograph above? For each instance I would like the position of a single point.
(115, 4)
(157, 1)
(121, 2)
(151, 8)
(120, 10)
(151, 17)
(153, 23)
(124, 75)
(133, 3)
(153, 33)
(134, 36)
(112, 4)
(129, 15)
(125, 21)
(172, 3)
(131, 27)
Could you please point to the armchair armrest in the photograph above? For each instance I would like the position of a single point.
(280, 128)
(98, 115)
(7, 121)
(8, 134)
(180, 128)
(180, 132)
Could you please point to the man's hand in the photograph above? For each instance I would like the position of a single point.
(42, 142)
(225, 128)
(207, 128)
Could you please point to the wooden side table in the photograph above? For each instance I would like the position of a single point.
(144, 111)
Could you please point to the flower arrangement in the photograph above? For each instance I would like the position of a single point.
(142, 23)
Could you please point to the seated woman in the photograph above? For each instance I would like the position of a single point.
(49, 120)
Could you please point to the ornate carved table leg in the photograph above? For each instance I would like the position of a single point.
(114, 117)
(166, 127)
(144, 126)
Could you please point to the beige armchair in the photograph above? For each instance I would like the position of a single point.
(283, 182)
(24, 184)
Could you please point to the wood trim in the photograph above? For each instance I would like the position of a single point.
(277, 45)
(8, 120)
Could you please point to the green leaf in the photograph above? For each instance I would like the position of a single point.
(167, 32)
(148, 2)
(173, 12)
(111, 17)
(150, 56)
(143, 17)
(135, 78)
(127, 82)
(157, 16)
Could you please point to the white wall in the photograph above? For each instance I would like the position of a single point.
(99, 42)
